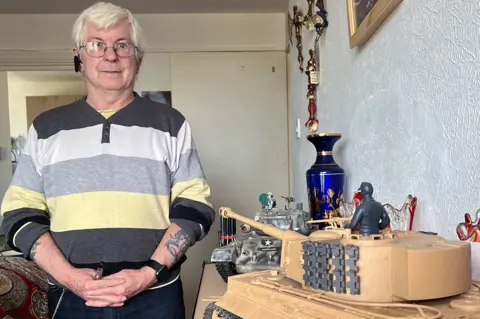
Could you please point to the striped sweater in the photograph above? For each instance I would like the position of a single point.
(107, 188)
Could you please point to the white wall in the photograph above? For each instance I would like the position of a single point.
(5, 158)
(19, 89)
(407, 105)
(164, 32)
(155, 73)
(42, 42)
(237, 107)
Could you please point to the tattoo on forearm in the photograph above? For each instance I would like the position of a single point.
(33, 250)
(177, 244)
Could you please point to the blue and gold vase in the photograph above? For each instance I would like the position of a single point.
(325, 179)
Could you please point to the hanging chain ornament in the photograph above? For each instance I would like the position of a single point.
(319, 22)
(313, 80)
(297, 23)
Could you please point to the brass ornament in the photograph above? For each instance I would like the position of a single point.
(313, 81)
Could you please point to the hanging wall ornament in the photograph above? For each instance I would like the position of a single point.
(318, 22)
(313, 80)
(298, 21)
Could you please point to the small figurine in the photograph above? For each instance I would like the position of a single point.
(370, 214)
(289, 201)
(271, 201)
(267, 200)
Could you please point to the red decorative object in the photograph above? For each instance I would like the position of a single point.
(411, 209)
(357, 198)
(23, 289)
(470, 229)
(410, 205)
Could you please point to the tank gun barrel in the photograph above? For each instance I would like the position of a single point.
(339, 220)
(270, 230)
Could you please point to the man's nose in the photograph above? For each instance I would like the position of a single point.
(110, 54)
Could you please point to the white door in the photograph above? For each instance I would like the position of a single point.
(5, 157)
(236, 104)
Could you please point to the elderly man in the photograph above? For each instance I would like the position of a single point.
(109, 192)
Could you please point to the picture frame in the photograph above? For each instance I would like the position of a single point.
(365, 17)
(164, 97)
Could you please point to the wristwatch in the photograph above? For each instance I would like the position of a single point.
(161, 271)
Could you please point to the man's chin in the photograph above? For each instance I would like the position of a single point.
(109, 84)
(112, 85)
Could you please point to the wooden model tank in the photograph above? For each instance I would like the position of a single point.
(338, 273)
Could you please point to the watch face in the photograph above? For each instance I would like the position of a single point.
(160, 270)
(162, 274)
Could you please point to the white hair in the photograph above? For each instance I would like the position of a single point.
(106, 15)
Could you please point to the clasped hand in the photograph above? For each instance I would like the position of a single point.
(110, 291)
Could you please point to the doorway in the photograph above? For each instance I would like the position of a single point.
(36, 105)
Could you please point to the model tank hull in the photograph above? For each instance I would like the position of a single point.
(395, 266)
(387, 267)
(272, 295)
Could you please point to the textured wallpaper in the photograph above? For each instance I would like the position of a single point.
(407, 104)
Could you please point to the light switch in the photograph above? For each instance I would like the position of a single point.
(3, 153)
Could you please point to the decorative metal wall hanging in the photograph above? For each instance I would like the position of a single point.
(313, 23)
(313, 81)
(296, 22)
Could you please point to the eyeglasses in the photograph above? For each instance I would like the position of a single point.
(97, 49)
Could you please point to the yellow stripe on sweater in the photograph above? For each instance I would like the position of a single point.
(94, 210)
(108, 113)
(196, 189)
(18, 197)
(109, 210)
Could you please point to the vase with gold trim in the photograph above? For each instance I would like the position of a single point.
(325, 178)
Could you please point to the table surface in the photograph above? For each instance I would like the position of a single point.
(212, 287)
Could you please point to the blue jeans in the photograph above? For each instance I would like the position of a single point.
(161, 303)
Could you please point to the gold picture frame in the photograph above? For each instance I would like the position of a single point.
(371, 13)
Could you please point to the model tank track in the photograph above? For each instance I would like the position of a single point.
(226, 269)
(221, 313)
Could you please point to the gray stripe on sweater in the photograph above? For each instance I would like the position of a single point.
(117, 173)
(108, 244)
(26, 175)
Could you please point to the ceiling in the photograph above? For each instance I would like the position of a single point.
(147, 6)
(44, 76)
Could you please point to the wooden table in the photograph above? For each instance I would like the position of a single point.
(211, 288)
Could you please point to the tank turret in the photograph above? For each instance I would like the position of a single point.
(390, 266)
(254, 250)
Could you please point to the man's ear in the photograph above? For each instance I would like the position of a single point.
(139, 64)
(77, 62)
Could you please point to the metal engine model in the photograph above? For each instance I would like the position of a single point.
(254, 250)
